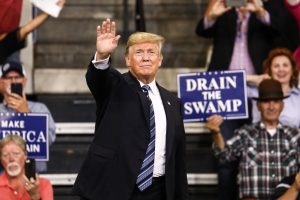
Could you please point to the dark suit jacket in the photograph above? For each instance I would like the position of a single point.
(116, 154)
(261, 38)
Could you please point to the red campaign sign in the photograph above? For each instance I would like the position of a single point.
(10, 14)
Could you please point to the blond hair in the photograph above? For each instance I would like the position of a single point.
(18, 140)
(141, 37)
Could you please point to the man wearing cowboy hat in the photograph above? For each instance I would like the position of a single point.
(267, 150)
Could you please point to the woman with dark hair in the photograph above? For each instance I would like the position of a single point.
(280, 65)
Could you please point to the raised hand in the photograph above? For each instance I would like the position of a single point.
(107, 41)
(255, 6)
(216, 8)
(213, 124)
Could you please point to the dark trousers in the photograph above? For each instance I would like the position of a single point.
(157, 191)
(227, 172)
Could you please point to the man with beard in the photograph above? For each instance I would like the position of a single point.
(14, 185)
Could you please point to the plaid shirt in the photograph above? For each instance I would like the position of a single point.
(264, 159)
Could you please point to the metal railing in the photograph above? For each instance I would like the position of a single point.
(88, 128)
(69, 179)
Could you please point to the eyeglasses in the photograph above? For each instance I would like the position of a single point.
(12, 154)
(13, 78)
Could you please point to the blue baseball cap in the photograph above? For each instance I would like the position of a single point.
(12, 66)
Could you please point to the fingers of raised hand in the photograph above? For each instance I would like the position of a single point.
(106, 26)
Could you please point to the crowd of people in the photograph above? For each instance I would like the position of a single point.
(14, 184)
(143, 157)
(254, 37)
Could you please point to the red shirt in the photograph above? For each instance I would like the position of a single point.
(10, 13)
(8, 193)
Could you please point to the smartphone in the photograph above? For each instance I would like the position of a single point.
(30, 168)
(236, 3)
(17, 88)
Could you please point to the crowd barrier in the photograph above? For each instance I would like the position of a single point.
(88, 128)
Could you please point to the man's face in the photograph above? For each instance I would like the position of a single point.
(144, 60)
(9, 78)
(13, 159)
(270, 110)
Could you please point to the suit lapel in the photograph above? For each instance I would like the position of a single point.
(135, 86)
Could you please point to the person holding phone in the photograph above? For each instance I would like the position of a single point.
(14, 184)
(12, 86)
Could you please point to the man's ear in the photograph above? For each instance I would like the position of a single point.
(127, 60)
(282, 106)
(161, 60)
(24, 82)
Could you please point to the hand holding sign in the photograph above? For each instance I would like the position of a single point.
(213, 123)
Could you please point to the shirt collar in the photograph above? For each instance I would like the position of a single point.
(295, 90)
(152, 85)
(262, 125)
(3, 179)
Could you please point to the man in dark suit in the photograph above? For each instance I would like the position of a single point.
(126, 130)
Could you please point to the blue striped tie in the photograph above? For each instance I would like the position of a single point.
(144, 179)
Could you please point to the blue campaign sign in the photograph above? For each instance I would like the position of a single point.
(32, 127)
(216, 92)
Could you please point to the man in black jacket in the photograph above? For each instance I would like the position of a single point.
(138, 151)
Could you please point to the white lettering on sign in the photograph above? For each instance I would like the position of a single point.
(28, 136)
(201, 84)
(12, 124)
(33, 148)
(212, 107)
